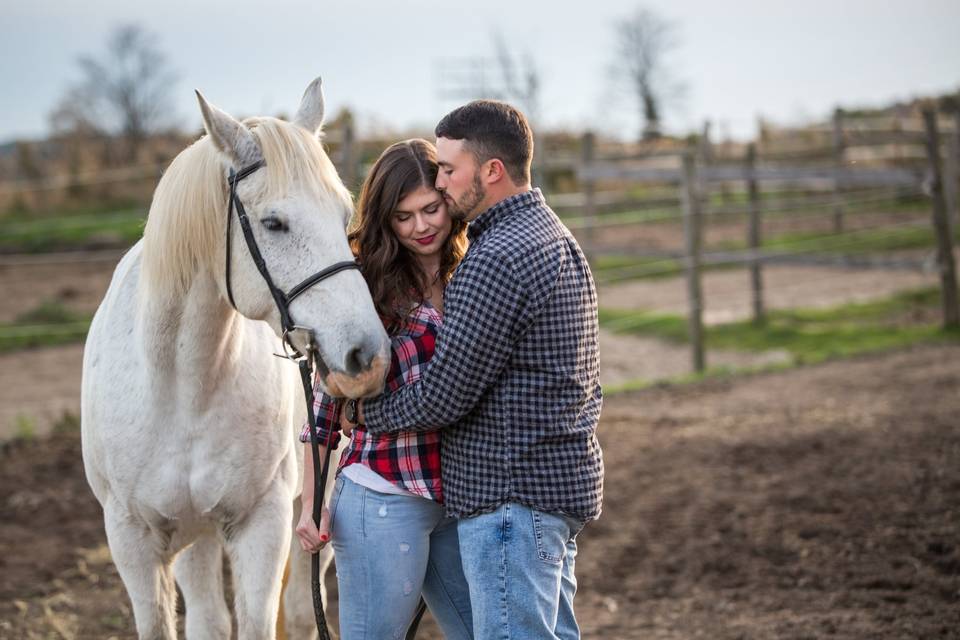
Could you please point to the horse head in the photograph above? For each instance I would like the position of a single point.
(298, 210)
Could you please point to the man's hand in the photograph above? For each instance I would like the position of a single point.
(312, 538)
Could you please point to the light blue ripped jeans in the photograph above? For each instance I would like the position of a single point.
(388, 550)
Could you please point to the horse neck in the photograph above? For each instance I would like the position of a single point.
(196, 338)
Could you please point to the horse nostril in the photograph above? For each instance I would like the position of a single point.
(361, 357)
(354, 363)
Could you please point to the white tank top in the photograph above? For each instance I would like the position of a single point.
(367, 477)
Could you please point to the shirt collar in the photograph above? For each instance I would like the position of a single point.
(504, 209)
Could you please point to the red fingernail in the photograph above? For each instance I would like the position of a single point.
(324, 537)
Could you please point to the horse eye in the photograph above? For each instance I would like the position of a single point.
(273, 223)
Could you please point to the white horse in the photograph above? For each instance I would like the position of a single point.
(188, 419)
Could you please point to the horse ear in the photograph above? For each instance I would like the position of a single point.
(310, 114)
(229, 135)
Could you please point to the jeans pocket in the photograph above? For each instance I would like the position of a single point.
(551, 534)
(335, 500)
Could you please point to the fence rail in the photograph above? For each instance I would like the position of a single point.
(849, 163)
(796, 176)
(693, 172)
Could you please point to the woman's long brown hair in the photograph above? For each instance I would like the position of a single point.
(392, 273)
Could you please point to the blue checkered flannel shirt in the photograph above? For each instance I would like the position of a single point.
(515, 375)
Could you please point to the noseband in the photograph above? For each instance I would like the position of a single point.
(282, 300)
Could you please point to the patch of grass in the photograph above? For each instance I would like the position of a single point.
(24, 427)
(100, 207)
(69, 422)
(666, 326)
(49, 312)
(854, 242)
(114, 621)
(711, 373)
(50, 323)
(16, 337)
(809, 335)
(39, 234)
(612, 268)
(857, 241)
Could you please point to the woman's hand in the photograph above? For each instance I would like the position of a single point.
(312, 538)
(345, 425)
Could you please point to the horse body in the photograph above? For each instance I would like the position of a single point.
(166, 445)
(189, 422)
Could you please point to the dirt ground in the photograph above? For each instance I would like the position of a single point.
(77, 280)
(819, 502)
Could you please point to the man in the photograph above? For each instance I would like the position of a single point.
(514, 378)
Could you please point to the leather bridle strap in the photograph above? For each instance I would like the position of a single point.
(234, 178)
(281, 299)
(285, 321)
(320, 473)
(317, 277)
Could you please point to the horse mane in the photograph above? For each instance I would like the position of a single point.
(186, 225)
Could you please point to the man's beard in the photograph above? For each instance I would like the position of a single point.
(463, 208)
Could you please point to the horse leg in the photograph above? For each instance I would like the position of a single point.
(144, 567)
(257, 546)
(298, 598)
(199, 572)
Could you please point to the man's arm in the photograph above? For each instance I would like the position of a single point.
(487, 312)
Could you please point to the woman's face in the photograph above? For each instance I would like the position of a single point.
(421, 222)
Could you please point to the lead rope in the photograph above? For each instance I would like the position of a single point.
(306, 363)
(319, 487)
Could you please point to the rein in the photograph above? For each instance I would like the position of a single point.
(306, 363)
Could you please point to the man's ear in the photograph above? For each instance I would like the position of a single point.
(493, 171)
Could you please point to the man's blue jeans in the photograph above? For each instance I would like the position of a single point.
(519, 564)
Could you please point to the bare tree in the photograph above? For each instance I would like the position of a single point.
(505, 76)
(125, 94)
(520, 77)
(643, 42)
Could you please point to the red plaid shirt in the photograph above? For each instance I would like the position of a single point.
(409, 459)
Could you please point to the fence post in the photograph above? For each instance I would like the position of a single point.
(838, 161)
(692, 221)
(705, 159)
(587, 148)
(945, 261)
(952, 175)
(753, 235)
(536, 166)
(348, 161)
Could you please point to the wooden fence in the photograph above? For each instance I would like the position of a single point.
(696, 171)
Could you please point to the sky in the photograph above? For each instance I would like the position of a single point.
(790, 62)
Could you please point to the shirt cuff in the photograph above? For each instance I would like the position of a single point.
(321, 436)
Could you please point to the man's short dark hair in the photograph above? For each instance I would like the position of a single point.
(492, 129)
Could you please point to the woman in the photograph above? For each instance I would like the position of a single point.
(389, 534)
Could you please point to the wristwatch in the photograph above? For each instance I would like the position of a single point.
(352, 411)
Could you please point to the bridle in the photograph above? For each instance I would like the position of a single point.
(282, 300)
(305, 361)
